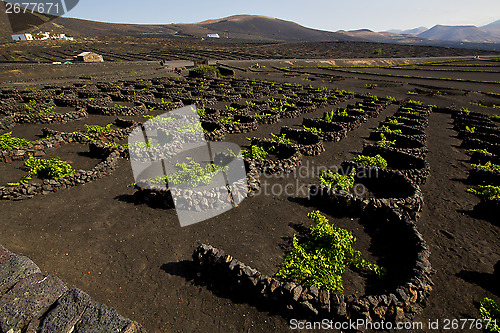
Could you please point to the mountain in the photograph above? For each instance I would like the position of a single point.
(239, 27)
(467, 33)
(493, 28)
(414, 31)
(382, 37)
(267, 28)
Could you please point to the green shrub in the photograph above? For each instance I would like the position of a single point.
(229, 120)
(322, 257)
(280, 138)
(488, 166)
(45, 169)
(394, 122)
(470, 129)
(47, 111)
(464, 111)
(383, 142)
(7, 141)
(490, 312)
(387, 129)
(256, 153)
(191, 173)
(488, 191)
(377, 161)
(484, 151)
(313, 129)
(495, 117)
(338, 181)
(96, 129)
(414, 102)
(329, 116)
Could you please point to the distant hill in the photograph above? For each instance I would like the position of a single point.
(493, 28)
(252, 28)
(240, 27)
(267, 28)
(414, 31)
(469, 33)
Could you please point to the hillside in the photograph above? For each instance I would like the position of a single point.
(241, 27)
(493, 28)
(470, 34)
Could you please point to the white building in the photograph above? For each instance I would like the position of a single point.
(22, 37)
(213, 36)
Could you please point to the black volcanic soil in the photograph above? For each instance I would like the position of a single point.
(138, 259)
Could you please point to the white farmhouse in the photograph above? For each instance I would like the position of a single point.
(213, 36)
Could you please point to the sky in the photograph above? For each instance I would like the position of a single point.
(329, 15)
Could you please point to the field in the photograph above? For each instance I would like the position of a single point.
(123, 245)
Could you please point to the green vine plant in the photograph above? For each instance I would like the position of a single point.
(322, 257)
(464, 111)
(53, 168)
(377, 161)
(280, 138)
(154, 119)
(261, 115)
(394, 122)
(490, 313)
(484, 151)
(192, 173)
(202, 111)
(7, 141)
(487, 192)
(257, 152)
(488, 167)
(387, 129)
(383, 142)
(47, 111)
(96, 129)
(470, 129)
(337, 181)
(229, 120)
(414, 102)
(313, 129)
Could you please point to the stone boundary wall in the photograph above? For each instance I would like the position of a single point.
(34, 302)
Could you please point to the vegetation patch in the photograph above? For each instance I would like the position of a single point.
(7, 141)
(192, 173)
(387, 129)
(322, 257)
(383, 142)
(377, 161)
(486, 192)
(488, 167)
(257, 152)
(338, 181)
(490, 312)
(45, 169)
(96, 129)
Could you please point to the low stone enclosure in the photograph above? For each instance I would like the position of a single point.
(98, 148)
(417, 169)
(399, 303)
(480, 133)
(33, 302)
(394, 213)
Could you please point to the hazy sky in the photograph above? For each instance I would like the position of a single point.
(323, 14)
